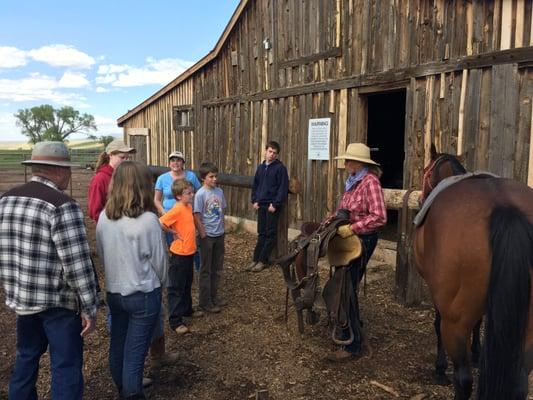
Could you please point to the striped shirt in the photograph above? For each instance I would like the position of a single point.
(366, 205)
(44, 255)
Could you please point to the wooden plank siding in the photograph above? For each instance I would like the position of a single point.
(465, 66)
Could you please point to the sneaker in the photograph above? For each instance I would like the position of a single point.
(259, 267)
(212, 309)
(147, 382)
(197, 314)
(221, 302)
(250, 266)
(182, 330)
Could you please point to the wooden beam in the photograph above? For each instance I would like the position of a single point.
(460, 128)
(530, 164)
(332, 53)
(394, 78)
(507, 24)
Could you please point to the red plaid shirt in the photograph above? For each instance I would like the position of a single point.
(366, 205)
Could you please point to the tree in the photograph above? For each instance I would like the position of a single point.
(106, 139)
(48, 123)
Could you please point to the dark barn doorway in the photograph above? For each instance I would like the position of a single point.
(385, 136)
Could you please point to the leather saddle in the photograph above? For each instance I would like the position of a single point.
(316, 241)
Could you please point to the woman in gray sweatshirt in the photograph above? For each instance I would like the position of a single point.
(131, 247)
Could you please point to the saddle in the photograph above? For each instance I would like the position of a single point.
(314, 242)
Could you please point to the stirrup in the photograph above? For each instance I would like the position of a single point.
(342, 342)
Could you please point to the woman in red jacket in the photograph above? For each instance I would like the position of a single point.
(115, 152)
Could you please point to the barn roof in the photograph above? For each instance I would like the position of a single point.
(186, 74)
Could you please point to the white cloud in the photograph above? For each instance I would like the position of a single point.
(155, 72)
(106, 79)
(101, 89)
(36, 87)
(11, 57)
(107, 125)
(60, 55)
(73, 80)
(112, 68)
(7, 125)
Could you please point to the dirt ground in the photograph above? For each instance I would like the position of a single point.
(248, 348)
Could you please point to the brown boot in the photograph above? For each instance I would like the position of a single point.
(160, 357)
(157, 348)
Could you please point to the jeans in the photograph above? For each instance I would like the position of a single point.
(212, 252)
(180, 276)
(134, 319)
(56, 328)
(357, 270)
(267, 230)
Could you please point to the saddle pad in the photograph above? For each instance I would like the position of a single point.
(445, 183)
(341, 251)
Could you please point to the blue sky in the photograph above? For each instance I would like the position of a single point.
(100, 57)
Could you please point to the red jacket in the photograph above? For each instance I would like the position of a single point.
(97, 195)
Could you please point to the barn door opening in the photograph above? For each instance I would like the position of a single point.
(385, 136)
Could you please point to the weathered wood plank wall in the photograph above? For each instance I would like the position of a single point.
(287, 61)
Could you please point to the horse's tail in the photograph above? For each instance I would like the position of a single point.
(511, 240)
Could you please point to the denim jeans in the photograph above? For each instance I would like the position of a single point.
(180, 276)
(134, 319)
(59, 329)
(267, 231)
(357, 270)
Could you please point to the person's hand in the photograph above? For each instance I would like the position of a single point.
(256, 206)
(271, 208)
(88, 324)
(345, 231)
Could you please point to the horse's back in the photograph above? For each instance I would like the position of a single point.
(452, 248)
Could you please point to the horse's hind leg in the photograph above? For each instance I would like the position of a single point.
(455, 340)
(476, 344)
(441, 363)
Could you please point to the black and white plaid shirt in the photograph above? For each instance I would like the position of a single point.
(44, 255)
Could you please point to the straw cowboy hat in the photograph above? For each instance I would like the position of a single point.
(357, 152)
(50, 153)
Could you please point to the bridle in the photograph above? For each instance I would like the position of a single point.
(431, 173)
(427, 180)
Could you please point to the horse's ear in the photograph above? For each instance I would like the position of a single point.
(433, 151)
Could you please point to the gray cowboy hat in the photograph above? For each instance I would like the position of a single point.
(50, 153)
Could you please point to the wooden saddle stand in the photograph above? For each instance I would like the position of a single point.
(300, 271)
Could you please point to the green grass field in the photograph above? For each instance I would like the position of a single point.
(85, 152)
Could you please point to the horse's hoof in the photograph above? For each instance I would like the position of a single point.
(442, 380)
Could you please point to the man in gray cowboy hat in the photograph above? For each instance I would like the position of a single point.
(47, 275)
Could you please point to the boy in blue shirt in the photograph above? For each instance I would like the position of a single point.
(269, 192)
(209, 205)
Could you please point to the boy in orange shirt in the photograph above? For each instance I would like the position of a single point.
(179, 219)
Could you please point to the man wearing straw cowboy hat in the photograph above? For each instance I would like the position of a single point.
(363, 198)
(47, 275)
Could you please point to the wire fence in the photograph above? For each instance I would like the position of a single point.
(13, 158)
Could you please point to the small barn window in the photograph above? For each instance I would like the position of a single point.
(184, 117)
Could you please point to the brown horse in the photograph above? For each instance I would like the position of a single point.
(475, 251)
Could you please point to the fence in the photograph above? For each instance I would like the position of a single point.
(12, 158)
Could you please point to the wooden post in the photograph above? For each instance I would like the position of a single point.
(246, 182)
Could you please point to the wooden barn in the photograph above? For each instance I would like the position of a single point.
(396, 74)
